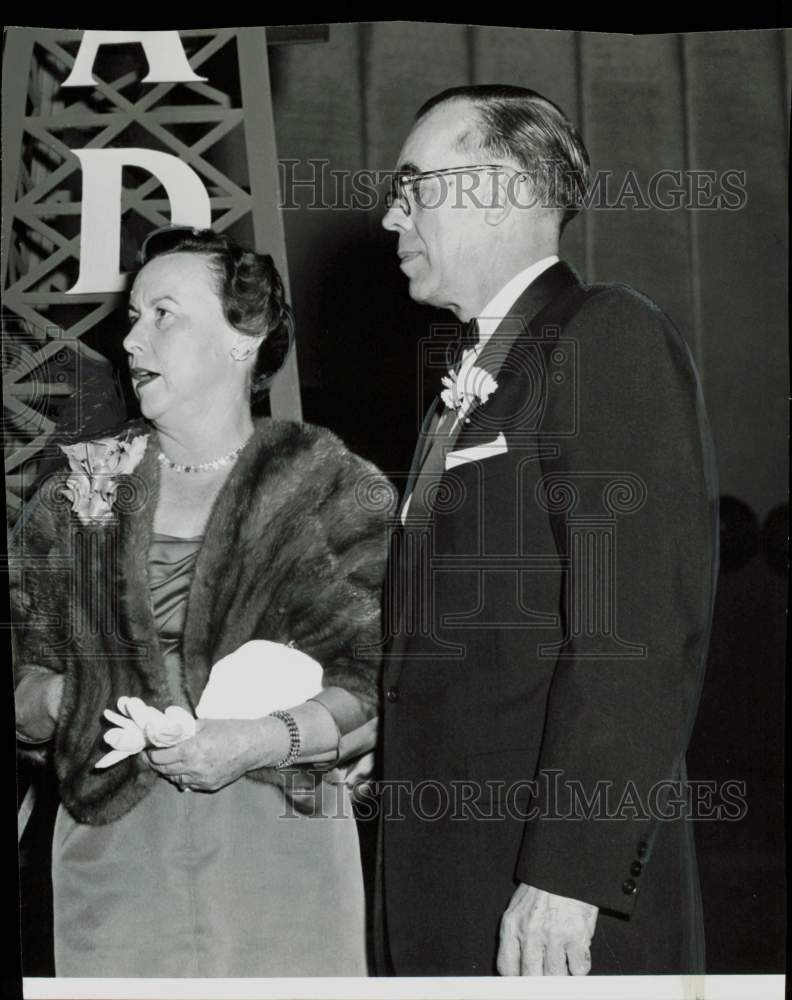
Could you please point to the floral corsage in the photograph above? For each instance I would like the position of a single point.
(95, 468)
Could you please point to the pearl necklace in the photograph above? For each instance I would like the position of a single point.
(216, 463)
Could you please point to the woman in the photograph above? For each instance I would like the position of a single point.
(201, 531)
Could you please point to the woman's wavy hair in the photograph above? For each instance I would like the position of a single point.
(250, 290)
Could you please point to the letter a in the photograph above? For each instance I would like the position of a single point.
(100, 235)
(167, 60)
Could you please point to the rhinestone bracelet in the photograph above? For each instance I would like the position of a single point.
(295, 739)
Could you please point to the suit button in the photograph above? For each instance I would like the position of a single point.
(392, 694)
(636, 868)
(643, 849)
(629, 888)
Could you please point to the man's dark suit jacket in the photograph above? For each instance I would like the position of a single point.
(549, 610)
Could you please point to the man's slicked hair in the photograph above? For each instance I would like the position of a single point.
(519, 124)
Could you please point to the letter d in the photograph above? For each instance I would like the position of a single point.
(100, 235)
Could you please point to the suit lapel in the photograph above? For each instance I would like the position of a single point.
(503, 345)
(549, 286)
(425, 438)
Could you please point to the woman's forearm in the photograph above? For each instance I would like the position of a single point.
(328, 723)
(355, 722)
(318, 737)
(37, 699)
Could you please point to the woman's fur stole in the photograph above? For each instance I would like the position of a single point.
(294, 551)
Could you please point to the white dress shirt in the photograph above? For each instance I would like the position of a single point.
(499, 306)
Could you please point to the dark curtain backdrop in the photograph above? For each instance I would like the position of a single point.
(709, 101)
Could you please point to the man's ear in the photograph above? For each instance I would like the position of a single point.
(506, 193)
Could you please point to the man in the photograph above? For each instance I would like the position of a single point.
(551, 583)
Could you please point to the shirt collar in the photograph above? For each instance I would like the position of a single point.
(499, 306)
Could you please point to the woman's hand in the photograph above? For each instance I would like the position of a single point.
(53, 696)
(221, 751)
(38, 698)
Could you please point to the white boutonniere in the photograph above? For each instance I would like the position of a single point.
(468, 387)
(95, 468)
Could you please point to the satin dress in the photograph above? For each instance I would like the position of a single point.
(224, 884)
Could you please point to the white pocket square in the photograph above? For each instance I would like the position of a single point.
(477, 452)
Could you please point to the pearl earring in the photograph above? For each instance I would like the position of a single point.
(239, 353)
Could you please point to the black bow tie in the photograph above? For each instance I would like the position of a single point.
(468, 338)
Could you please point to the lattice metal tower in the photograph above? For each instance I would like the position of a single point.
(56, 376)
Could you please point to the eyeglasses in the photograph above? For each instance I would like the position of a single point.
(163, 239)
(402, 181)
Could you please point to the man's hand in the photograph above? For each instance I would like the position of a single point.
(545, 935)
(358, 774)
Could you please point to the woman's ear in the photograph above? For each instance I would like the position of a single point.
(246, 346)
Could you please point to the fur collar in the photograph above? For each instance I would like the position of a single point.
(294, 550)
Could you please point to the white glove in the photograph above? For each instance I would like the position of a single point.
(140, 725)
